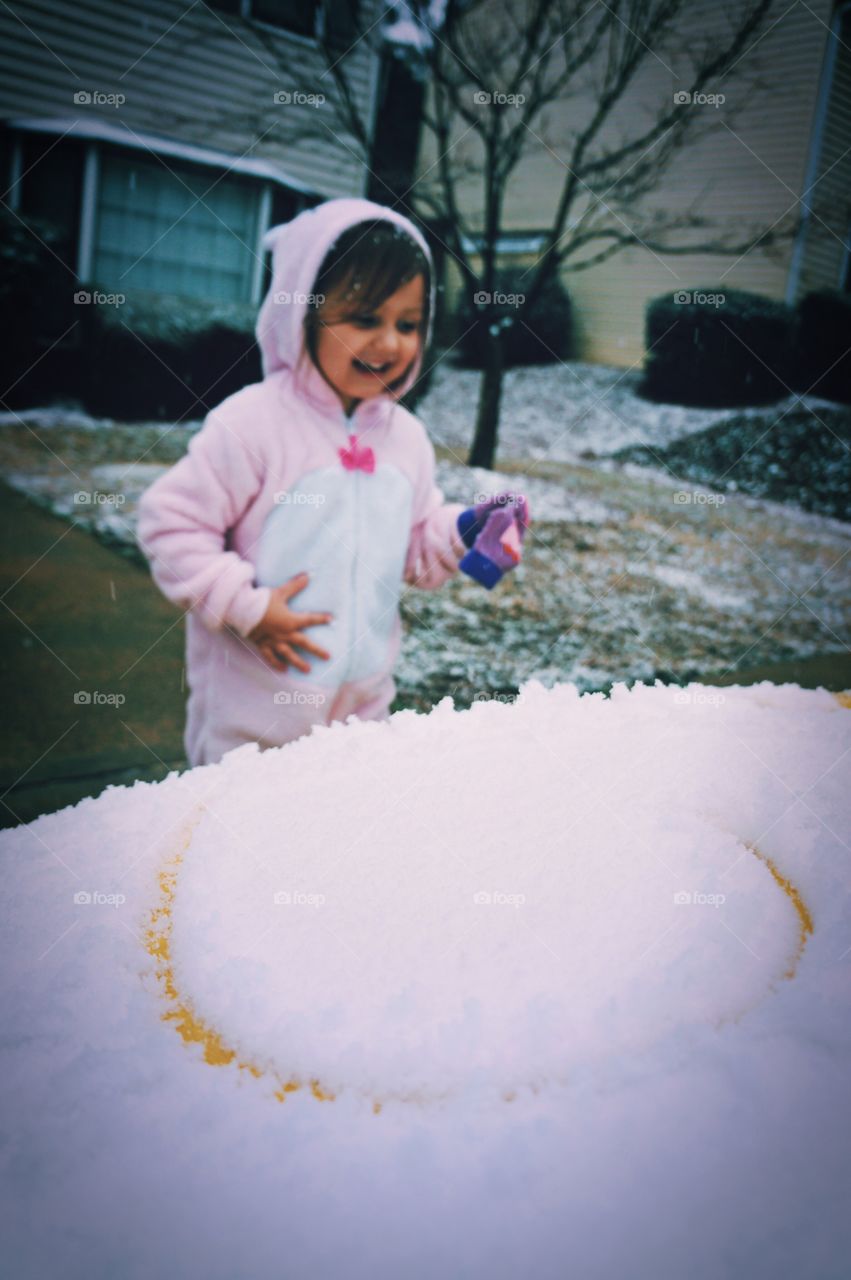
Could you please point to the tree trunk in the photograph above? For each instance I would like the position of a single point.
(483, 451)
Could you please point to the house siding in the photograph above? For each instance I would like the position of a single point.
(750, 173)
(199, 77)
(825, 238)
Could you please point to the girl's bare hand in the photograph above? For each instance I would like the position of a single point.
(281, 628)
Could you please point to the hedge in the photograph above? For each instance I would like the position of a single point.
(824, 320)
(715, 346)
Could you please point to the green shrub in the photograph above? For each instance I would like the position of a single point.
(540, 336)
(144, 357)
(715, 346)
(824, 320)
(165, 360)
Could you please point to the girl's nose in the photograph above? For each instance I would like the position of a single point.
(387, 345)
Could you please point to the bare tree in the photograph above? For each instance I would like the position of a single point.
(506, 77)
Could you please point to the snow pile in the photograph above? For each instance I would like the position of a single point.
(446, 920)
(574, 969)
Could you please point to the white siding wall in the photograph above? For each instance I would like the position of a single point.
(754, 177)
(188, 73)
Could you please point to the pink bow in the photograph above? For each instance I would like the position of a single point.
(357, 457)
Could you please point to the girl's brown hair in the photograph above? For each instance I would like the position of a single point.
(363, 267)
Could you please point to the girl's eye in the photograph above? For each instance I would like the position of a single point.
(368, 322)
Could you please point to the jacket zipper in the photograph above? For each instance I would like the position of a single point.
(348, 424)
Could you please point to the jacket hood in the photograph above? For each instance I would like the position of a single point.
(298, 250)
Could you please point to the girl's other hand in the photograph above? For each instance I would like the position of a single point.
(281, 629)
(472, 521)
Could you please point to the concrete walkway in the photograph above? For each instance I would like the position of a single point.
(81, 629)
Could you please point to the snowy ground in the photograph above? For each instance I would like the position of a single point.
(594, 1024)
(629, 573)
(569, 412)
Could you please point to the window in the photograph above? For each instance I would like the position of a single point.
(509, 243)
(293, 15)
(286, 205)
(298, 16)
(338, 20)
(174, 230)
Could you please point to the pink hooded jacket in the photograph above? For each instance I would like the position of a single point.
(262, 495)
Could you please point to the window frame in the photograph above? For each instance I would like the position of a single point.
(245, 12)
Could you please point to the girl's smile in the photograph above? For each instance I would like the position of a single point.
(362, 354)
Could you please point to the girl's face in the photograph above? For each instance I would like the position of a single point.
(360, 354)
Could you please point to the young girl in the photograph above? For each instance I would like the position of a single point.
(313, 483)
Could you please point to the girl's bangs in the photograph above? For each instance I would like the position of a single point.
(367, 264)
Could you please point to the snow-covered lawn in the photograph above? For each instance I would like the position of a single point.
(629, 572)
(566, 412)
(556, 987)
